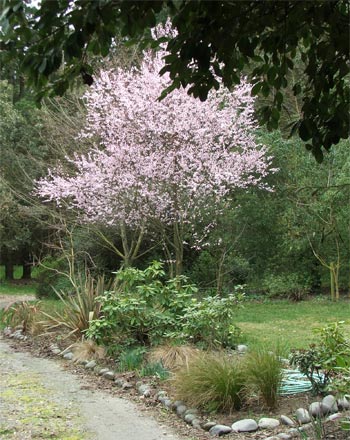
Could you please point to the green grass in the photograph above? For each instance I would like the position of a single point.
(289, 323)
(17, 287)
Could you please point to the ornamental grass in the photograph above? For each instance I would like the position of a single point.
(212, 381)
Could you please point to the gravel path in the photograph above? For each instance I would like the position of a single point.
(40, 400)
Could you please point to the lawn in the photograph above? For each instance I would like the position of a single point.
(18, 286)
(289, 323)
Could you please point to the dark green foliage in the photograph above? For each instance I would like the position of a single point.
(209, 321)
(213, 42)
(144, 308)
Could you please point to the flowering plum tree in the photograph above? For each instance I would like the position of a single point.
(167, 163)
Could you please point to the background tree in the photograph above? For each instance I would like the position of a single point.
(54, 43)
(160, 165)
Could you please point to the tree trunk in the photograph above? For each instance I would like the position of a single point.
(9, 270)
(27, 270)
(179, 249)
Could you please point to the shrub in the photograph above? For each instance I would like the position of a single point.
(210, 321)
(145, 309)
(79, 309)
(292, 285)
(328, 358)
(142, 308)
(264, 373)
(212, 381)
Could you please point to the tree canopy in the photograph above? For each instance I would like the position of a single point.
(157, 164)
(303, 46)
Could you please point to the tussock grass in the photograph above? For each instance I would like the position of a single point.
(212, 381)
(173, 357)
(264, 374)
(87, 350)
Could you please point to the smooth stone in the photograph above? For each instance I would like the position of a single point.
(268, 423)
(56, 351)
(219, 430)
(103, 371)
(241, 348)
(119, 382)
(316, 409)
(294, 432)
(109, 375)
(177, 403)
(126, 386)
(189, 418)
(307, 427)
(90, 365)
(302, 416)
(330, 404)
(245, 425)
(181, 409)
(274, 437)
(191, 411)
(168, 403)
(343, 403)
(335, 416)
(287, 421)
(207, 425)
(196, 423)
(144, 390)
(68, 356)
(284, 436)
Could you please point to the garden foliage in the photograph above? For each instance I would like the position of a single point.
(326, 363)
(145, 308)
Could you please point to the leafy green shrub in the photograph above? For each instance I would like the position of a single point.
(292, 285)
(264, 372)
(210, 321)
(330, 357)
(142, 308)
(145, 309)
(212, 381)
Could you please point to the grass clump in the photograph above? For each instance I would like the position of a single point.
(264, 375)
(173, 357)
(23, 315)
(155, 369)
(87, 350)
(212, 381)
(131, 359)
